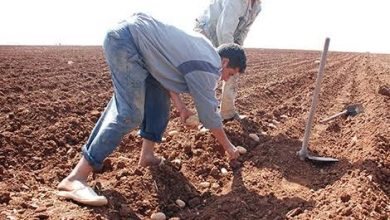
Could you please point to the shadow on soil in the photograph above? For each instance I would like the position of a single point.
(272, 153)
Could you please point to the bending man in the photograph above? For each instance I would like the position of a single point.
(150, 63)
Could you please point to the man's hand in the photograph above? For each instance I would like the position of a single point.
(181, 107)
(184, 114)
(230, 149)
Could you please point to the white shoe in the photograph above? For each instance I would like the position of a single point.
(84, 195)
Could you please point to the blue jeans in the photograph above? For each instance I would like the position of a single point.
(138, 99)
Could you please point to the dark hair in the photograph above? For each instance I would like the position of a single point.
(236, 55)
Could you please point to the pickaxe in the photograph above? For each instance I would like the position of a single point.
(350, 110)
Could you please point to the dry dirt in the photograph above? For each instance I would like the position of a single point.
(50, 98)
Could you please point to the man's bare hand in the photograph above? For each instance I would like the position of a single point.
(184, 114)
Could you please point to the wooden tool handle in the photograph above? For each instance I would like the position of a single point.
(303, 151)
(334, 116)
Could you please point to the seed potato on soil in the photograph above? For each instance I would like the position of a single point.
(192, 121)
(48, 108)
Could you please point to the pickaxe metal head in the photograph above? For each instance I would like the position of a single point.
(354, 109)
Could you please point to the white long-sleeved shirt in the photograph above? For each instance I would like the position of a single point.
(183, 62)
(227, 21)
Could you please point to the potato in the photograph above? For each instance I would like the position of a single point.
(203, 130)
(180, 203)
(215, 186)
(158, 216)
(174, 132)
(192, 121)
(241, 150)
(224, 172)
(254, 137)
(205, 184)
(176, 161)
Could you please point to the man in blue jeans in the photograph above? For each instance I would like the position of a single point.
(152, 63)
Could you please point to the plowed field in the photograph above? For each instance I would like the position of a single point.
(51, 97)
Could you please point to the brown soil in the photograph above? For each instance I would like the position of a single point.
(50, 98)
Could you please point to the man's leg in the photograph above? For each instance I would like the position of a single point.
(229, 93)
(147, 157)
(123, 112)
(156, 117)
(78, 177)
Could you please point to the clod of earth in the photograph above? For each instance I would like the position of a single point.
(384, 90)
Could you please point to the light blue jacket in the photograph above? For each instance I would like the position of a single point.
(227, 21)
(183, 62)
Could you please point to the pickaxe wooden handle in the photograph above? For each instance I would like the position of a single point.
(350, 110)
(334, 116)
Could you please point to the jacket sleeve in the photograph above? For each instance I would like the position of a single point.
(228, 20)
(202, 89)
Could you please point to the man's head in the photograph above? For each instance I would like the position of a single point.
(233, 60)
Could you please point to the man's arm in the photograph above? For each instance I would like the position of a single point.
(220, 135)
(180, 106)
(201, 87)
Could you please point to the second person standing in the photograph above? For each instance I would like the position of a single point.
(228, 21)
